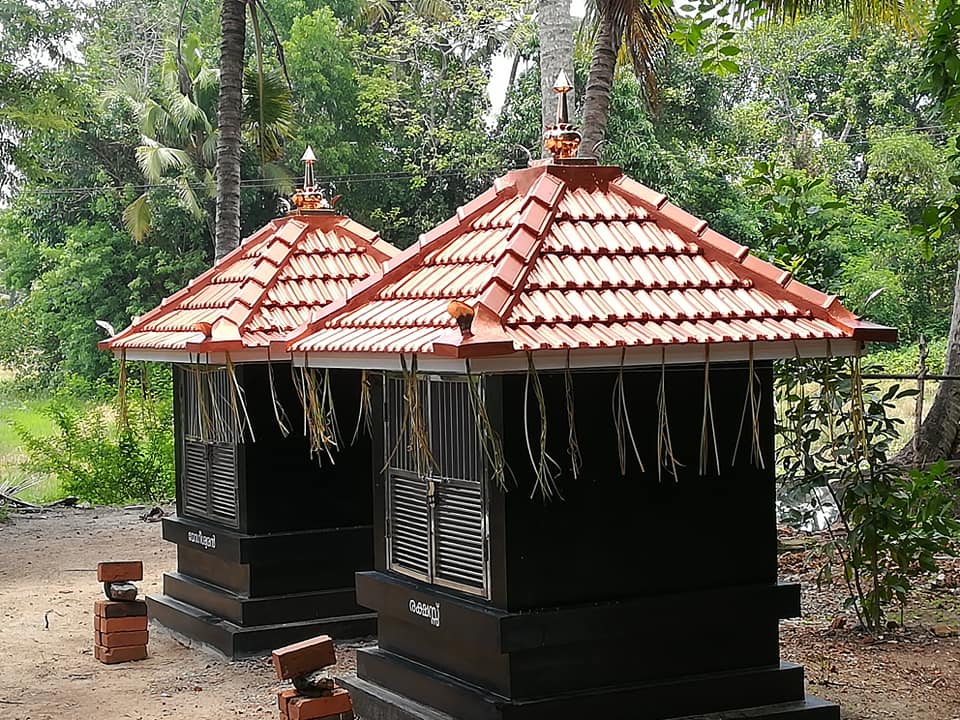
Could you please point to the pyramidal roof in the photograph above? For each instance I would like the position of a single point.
(273, 282)
(570, 256)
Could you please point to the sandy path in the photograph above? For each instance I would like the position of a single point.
(47, 567)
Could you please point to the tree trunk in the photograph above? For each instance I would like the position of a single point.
(233, 17)
(555, 28)
(596, 100)
(938, 434)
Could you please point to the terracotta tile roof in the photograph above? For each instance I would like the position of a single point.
(571, 255)
(275, 281)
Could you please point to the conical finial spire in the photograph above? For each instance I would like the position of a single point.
(561, 139)
(311, 197)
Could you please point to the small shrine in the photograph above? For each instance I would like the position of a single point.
(574, 507)
(270, 526)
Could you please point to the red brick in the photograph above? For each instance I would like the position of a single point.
(110, 656)
(120, 608)
(122, 639)
(119, 571)
(303, 657)
(313, 708)
(119, 624)
(283, 699)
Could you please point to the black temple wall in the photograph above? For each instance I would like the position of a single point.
(285, 488)
(614, 536)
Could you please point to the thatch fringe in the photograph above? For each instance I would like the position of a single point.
(664, 443)
(489, 438)
(621, 420)
(365, 411)
(279, 412)
(320, 425)
(238, 403)
(708, 422)
(123, 419)
(545, 468)
(751, 401)
(573, 444)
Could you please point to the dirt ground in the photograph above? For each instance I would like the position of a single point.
(47, 671)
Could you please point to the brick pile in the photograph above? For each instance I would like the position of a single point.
(120, 622)
(314, 695)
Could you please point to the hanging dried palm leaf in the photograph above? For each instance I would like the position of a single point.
(240, 418)
(573, 444)
(365, 412)
(419, 434)
(664, 443)
(279, 413)
(123, 420)
(751, 402)
(489, 437)
(545, 468)
(621, 420)
(319, 414)
(708, 429)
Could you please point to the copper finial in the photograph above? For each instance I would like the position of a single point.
(311, 197)
(561, 139)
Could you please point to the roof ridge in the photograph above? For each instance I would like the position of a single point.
(433, 240)
(169, 303)
(526, 236)
(371, 241)
(279, 266)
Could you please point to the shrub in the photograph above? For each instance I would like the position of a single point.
(103, 461)
(835, 434)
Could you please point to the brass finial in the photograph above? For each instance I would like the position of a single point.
(311, 197)
(561, 139)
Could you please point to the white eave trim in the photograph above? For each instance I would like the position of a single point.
(586, 358)
(258, 355)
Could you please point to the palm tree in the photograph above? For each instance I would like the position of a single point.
(640, 30)
(179, 138)
(555, 28)
(233, 28)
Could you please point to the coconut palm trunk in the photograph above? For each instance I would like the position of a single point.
(555, 28)
(939, 434)
(233, 16)
(596, 99)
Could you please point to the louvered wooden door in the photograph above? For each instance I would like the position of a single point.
(209, 467)
(437, 525)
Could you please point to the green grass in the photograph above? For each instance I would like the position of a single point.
(26, 410)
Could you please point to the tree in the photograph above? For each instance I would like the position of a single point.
(555, 29)
(179, 136)
(640, 30)
(233, 28)
(939, 434)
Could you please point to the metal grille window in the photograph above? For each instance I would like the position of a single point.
(437, 524)
(208, 437)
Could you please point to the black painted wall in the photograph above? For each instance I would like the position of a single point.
(614, 536)
(281, 487)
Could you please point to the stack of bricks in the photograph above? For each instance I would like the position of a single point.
(120, 621)
(314, 695)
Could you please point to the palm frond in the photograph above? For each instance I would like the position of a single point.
(186, 113)
(208, 148)
(277, 178)
(902, 14)
(155, 121)
(643, 28)
(267, 112)
(137, 217)
(188, 197)
(156, 160)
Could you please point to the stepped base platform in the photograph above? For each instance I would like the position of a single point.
(236, 641)
(715, 696)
